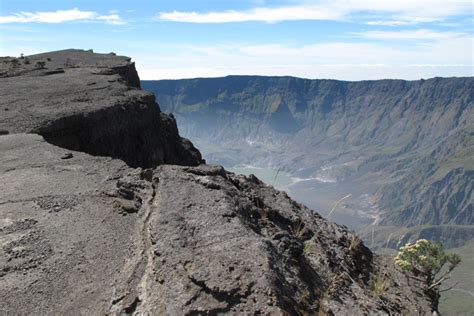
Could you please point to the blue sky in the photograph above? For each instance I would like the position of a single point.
(339, 39)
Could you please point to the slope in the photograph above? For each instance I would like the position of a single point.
(403, 149)
(89, 225)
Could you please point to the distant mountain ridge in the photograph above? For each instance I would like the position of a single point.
(409, 142)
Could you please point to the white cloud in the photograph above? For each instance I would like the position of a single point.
(418, 35)
(258, 14)
(60, 16)
(442, 56)
(48, 17)
(111, 19)
(390, 23)
(400, 11)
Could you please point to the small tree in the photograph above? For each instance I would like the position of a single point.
(15, 63)
(40, 64)
(426, 260)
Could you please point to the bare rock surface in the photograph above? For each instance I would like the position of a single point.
(173, 240)
(82, 234)
(92, 103)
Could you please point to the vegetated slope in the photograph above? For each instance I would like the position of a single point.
(88, 225)
(408, 143)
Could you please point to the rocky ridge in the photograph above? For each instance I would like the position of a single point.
(104, 209)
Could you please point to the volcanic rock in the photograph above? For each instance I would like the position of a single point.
(132, 223)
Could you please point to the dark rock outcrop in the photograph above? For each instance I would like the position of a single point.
(94, 105)
(83, 234)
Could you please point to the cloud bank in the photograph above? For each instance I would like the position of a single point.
(438, 55)
(61, 16)
(400, 12)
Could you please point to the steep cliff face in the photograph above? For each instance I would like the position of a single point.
(407, 145)
(84, 234)
(447, 200)
(99, 110)
(328, 113)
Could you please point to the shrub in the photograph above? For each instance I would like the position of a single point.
(298, 228)
(14, 63)
(40, 64)
(426, 260)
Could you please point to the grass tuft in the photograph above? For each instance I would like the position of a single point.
(380, 284)
(355, 243)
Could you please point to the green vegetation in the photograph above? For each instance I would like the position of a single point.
(426, 260)
(460, 299)
(307, 247)
(14, 63)
(355, 243)
(298, 228)
(380, 284)
(40, 65)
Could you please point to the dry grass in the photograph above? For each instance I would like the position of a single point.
(355, 243)
(380, 284)
(323, 305)
(337, 204)
(298, 228)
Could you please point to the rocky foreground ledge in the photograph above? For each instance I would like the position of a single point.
(92, 103)
(105, 209)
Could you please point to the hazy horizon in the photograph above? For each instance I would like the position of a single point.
(290, 76)
(315, 39)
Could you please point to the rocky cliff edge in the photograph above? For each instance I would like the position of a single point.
(104, 209)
